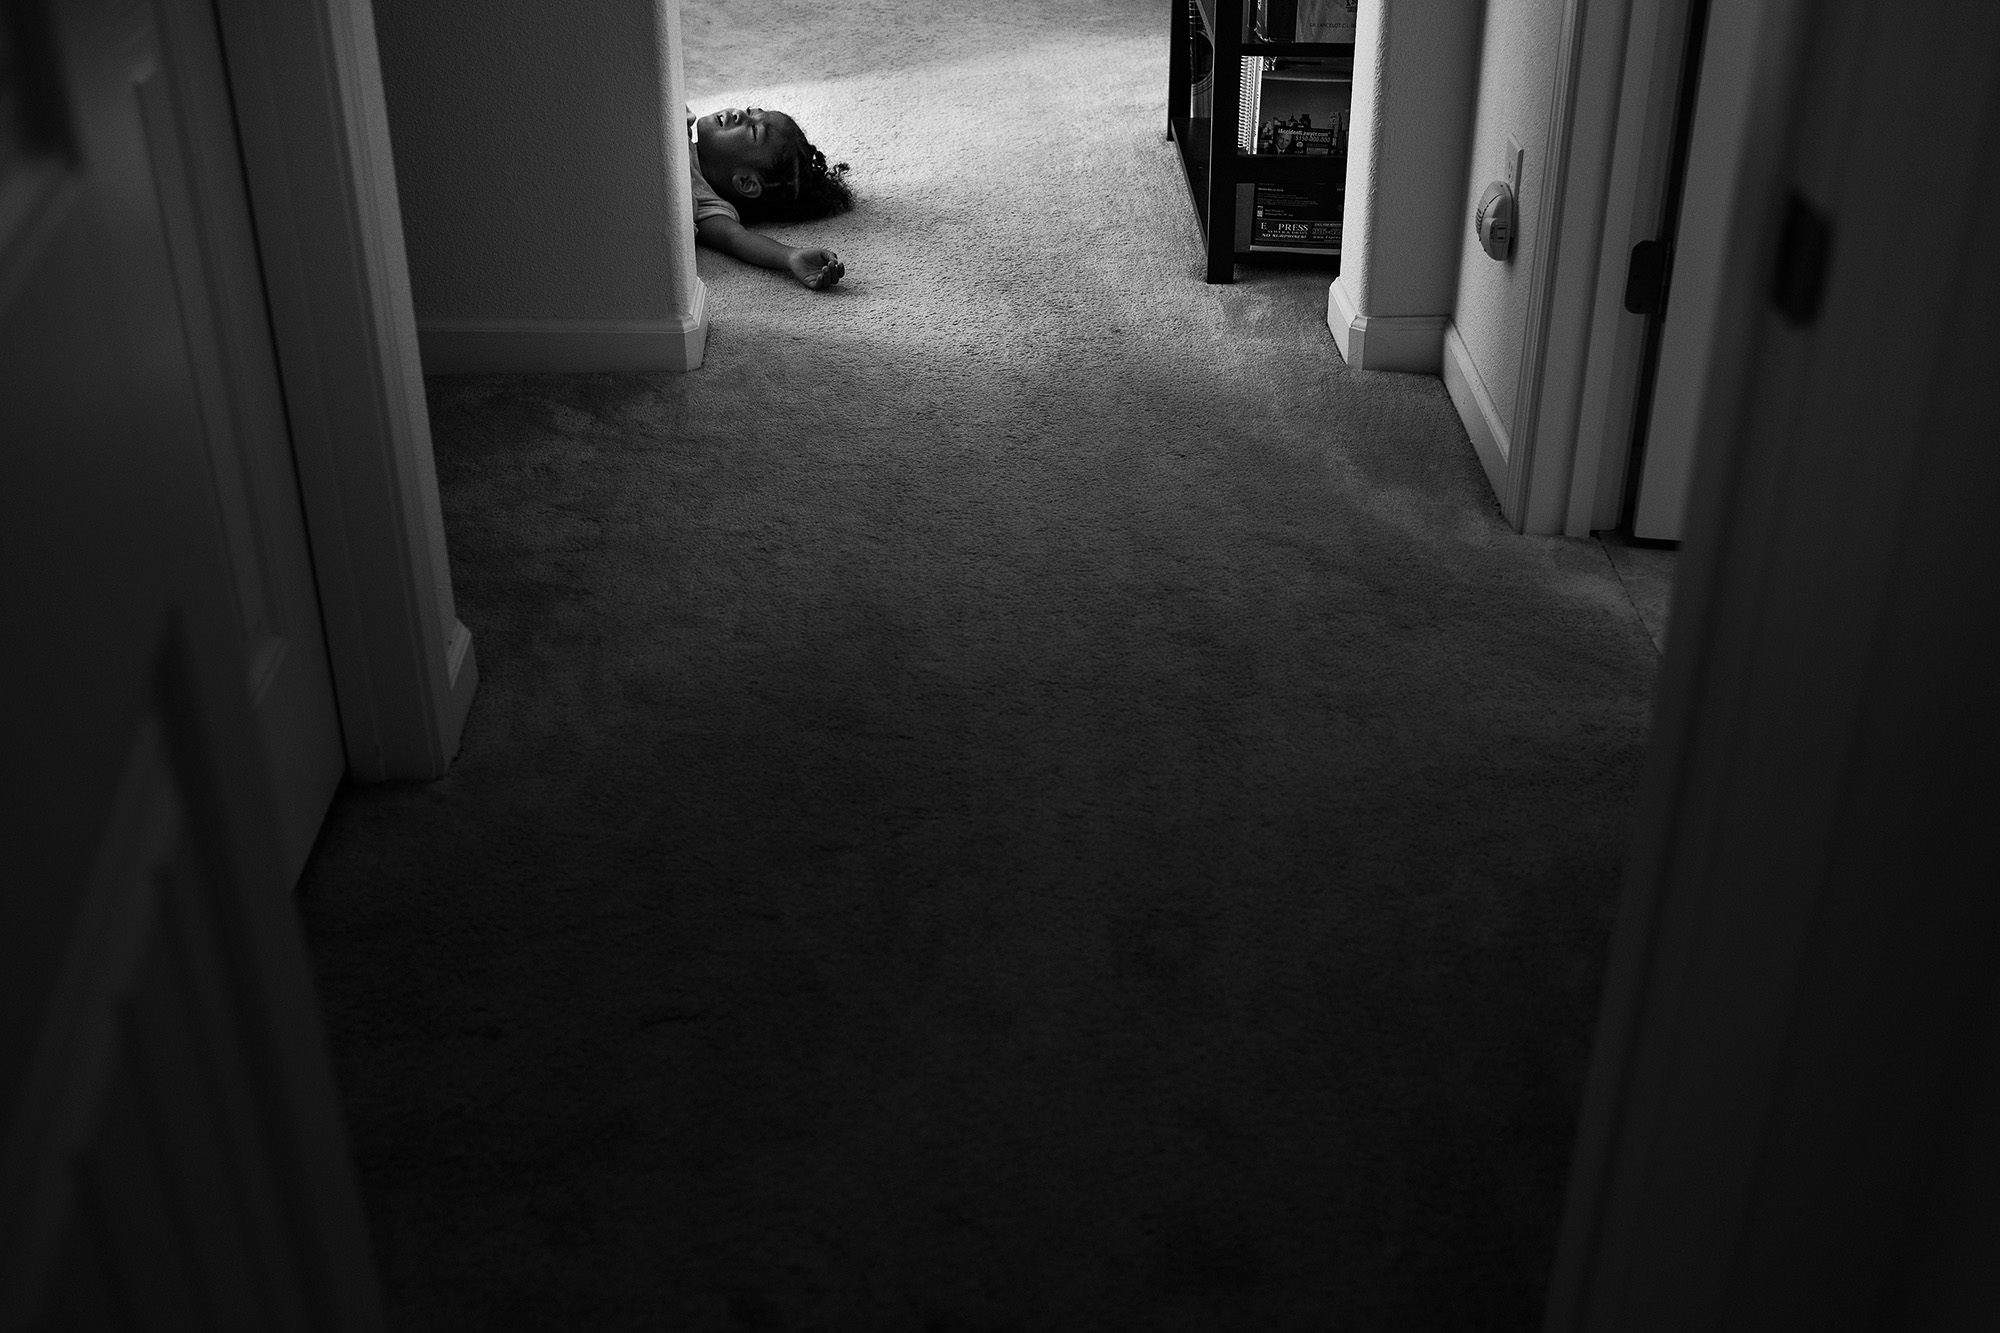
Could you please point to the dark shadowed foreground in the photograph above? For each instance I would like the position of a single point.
(1023, 795)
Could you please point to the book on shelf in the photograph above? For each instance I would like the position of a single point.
(1295, 107)
(1305, 20)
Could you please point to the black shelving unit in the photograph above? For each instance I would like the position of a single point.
(1213, 163)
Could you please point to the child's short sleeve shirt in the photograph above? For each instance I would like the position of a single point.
(707, 203)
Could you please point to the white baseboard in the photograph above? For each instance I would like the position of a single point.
(1409, 343)
(1475, 409)
(496, 346)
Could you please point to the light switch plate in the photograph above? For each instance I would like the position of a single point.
(1511, 169)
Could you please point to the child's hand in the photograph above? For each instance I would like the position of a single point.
(816, 268)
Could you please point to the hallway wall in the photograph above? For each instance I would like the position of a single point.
(543, 174)
(1430, 49)
(1517, 68)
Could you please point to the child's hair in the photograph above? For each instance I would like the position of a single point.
(822, 190)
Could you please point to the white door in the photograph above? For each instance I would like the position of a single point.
(171, 1154)
(191, 139)
(1702, 352)
(1794, 1113)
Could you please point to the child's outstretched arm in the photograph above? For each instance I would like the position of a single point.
(817, 268)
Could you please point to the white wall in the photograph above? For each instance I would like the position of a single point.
(542, 163)
(1415, 72)
(1412, 94)
(1517, 75)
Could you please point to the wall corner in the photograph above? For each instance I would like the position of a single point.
(1410, 344)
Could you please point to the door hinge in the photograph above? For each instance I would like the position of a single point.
(1805, 247)
(1646, 277)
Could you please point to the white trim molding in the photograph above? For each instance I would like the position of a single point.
(1410, 343)
(315, 133)
(1548, 342)
(1531, 457)
(528, 346)
(1634, 193)
(1568, 280)
(1475, 408)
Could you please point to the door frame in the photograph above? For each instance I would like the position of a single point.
(1610, 125)
(1705, 344)
(1633, 199)
(1531, 471)
(313, 123)
(1590, 360)
(1561, 466)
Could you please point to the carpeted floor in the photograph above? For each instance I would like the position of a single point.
(1024, 795)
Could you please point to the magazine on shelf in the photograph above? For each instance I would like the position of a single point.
(1295, 107)
(1304, 217)
(1305, 20)
(1300, 219)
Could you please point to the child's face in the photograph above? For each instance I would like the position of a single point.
(744, 148)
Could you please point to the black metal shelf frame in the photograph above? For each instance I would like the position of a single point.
(1210, 159)
(1244, 46)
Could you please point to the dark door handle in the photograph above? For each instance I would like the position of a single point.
(1646, 277)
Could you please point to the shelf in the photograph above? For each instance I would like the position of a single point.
(1296, 49)
(1255, 48)
(1196, 176)
(1288, 168)
(1192, 133)
(1308, 76)
(1218, 173)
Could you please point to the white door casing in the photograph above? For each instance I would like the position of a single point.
(1558, 464)
(1568, 221)
(1739, 113)
(310, 114)
(1596, 150)
(1635, 196)
(191, 137)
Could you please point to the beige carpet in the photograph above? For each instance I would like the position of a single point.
(1022, 796)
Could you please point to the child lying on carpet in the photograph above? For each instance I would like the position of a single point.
(758, 164)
